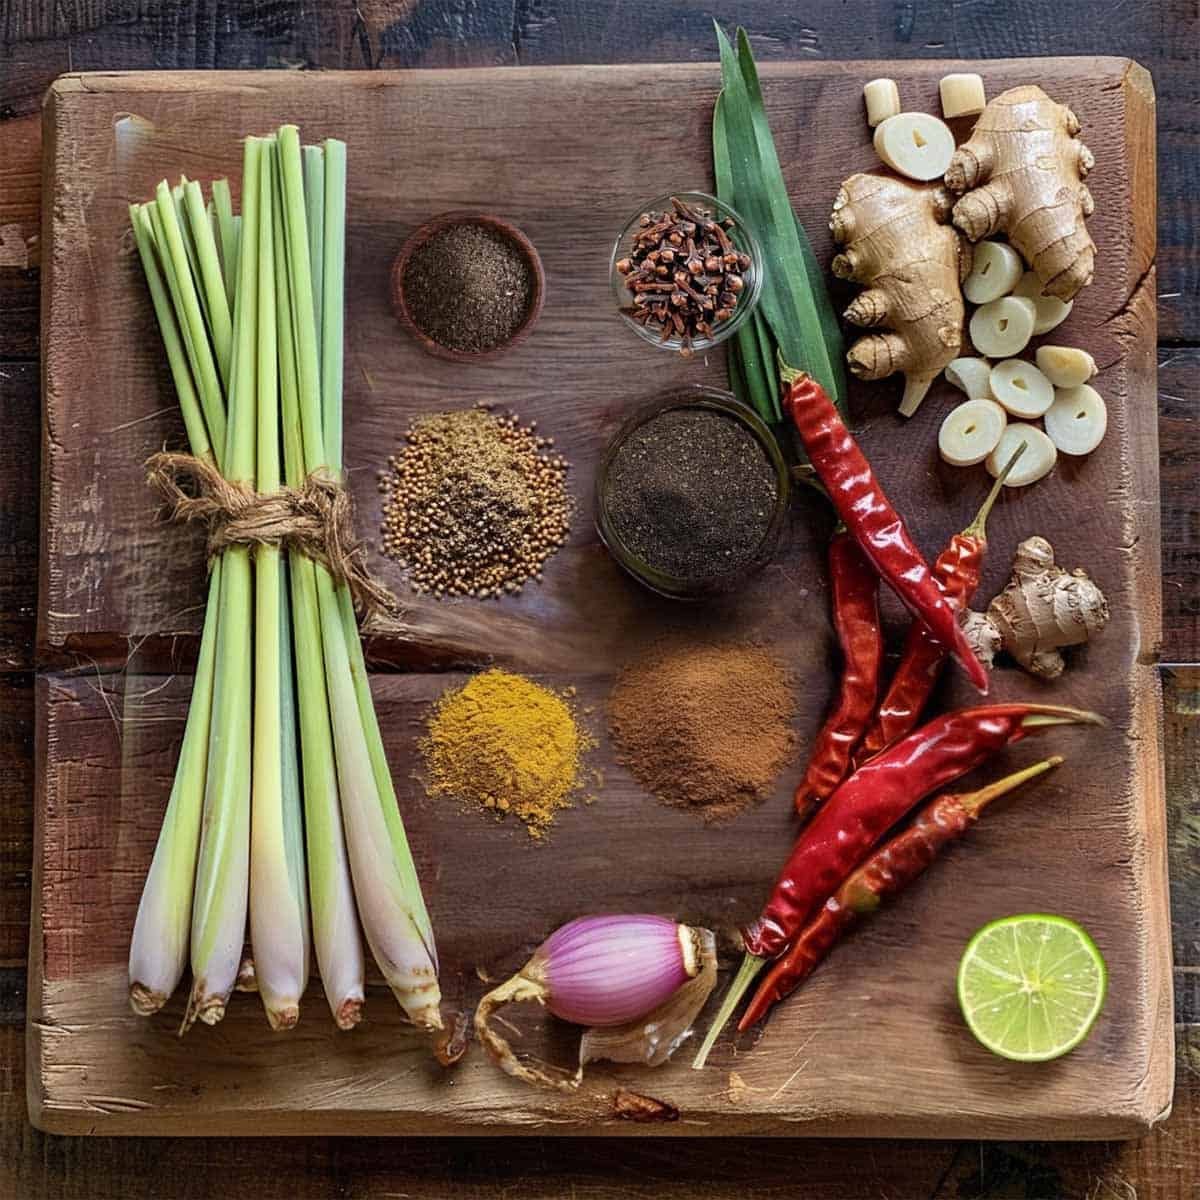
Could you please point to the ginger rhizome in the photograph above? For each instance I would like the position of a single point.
(1043, 609)
(897, 241)
(1021, 173)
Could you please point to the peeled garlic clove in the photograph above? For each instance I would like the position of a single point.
(883, 100)
(1038, 460)
(1021, 388)
(1077, 420)
(962, 95)
(971, 432)
(915, 144)
(1065, 366)
(996, 268)
(1051, 311)
(971, 375)
(1003, 327)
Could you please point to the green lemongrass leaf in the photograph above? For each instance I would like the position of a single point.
(755, 370)
(177, 360)
(227, 235)
(222, 876)
(787, 301)
(314, 205)
(722, 166)
(336, 936)
(766, 356)
(330, 311)
(212, 289)
(177, 198)
(831, 326)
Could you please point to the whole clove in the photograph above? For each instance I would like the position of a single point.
(684, 273)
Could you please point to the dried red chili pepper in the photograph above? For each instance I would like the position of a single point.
(869, 515)
(888, 871)
(957, 571)
(854, 587)
(865, 807)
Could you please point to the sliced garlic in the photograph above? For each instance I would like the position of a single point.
(971, 432)
(971, 375)
(883, 100)
(1065, 366)
(1003, 327)
(915, 144)
(1038, 460)
(1077, 420)
(1051, 311)
(962, 95)
(995, 270)
(1021, 388)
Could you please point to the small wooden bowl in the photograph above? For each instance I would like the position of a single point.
(506, 230)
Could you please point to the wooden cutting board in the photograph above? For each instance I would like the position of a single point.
(874, 1045)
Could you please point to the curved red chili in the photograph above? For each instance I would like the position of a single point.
(869, 515)
(854, 597)
(888, 871)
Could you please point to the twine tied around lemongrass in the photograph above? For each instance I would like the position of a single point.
(316, 519)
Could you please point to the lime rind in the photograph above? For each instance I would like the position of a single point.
(1031, 986)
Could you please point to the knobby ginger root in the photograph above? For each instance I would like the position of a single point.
(1042, 609)
(897, 241)
(1021, 172)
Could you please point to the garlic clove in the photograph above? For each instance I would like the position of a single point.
(971, 432)
(1065, 366)
(1022, 389)
(962, 95)
(1050, 310)
(1003, 327)
(915, 144)
(882, 97)
(971, 375)
(1077, 420)
(1037, 461)
(996, 268)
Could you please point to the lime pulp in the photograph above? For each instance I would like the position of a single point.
(1031, 986)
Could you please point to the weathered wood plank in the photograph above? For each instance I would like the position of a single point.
(20, 421)
(1179, 470)
(16, 819)
(20, 249)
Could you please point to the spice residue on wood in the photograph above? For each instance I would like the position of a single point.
(691, 492)
(507, 745)
(476, 503)
(468, 287)
(704, 727)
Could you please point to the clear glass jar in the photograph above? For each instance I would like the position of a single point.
(719, 582)
(742, 237)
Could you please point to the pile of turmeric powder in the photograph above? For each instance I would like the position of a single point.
(507, 744)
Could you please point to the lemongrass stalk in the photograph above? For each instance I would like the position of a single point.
(185, 231)
(187, 301)
(158, 951)
(226, 235)
(278, 897)
(222, 876)
(314, 207)
(213, 285)
(380, 884)
(336, 937)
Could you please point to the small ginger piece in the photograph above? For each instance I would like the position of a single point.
(1043, 609)
(897, 241)
(1021, 172)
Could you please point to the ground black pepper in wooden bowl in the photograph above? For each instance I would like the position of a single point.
(692, 493)
(468, 285)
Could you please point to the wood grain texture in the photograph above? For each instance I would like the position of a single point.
(19, 418)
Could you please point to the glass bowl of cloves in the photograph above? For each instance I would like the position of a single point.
(686, 272)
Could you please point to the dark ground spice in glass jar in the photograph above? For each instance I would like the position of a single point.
(468, 287)
(691, 492)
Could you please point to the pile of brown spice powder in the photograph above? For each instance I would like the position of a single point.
(704, 727)
(475, 504)
(468, 287)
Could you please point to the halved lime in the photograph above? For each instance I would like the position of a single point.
(1031, 986)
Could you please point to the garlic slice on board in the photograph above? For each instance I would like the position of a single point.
(882, 98)
(996, 268)
(1037, 461)
(971, 375)
(1065, 366)
(1051, 311)
(915, 144)
(971, 432)
(1077, 420)
(1003, 327)
(1023, 390)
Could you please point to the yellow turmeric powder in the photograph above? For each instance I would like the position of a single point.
(507, 744)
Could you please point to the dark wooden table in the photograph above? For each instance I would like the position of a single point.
(39, 39)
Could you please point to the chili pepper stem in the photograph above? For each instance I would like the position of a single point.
(751, 965)
(1055, 715)
(973, 803)
(978, 527)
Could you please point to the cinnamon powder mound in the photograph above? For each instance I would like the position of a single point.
(704, 727)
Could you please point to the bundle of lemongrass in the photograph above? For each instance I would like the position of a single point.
(282, 801)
